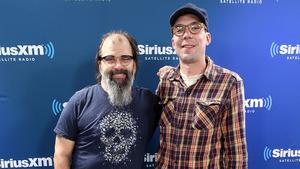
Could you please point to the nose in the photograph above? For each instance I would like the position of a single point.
(117, 139)
(118, 64)
(187, 33)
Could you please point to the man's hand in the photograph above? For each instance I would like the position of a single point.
(163, 70)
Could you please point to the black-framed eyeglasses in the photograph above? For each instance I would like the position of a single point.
(194, 28)
(112, 60)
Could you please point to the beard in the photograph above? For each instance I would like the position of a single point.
(119, 92)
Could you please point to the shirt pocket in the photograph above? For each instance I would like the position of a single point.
(206, 114)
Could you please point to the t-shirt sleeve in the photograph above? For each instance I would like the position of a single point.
(155, 113)
(157, 108)
(67, 122)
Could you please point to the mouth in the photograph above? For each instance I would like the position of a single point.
(119, 76)
(187, 46)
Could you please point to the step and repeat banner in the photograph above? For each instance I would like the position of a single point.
(47, 50)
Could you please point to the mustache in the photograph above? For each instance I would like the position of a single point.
(121, 71)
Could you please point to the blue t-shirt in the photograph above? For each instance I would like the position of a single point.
(106, 136)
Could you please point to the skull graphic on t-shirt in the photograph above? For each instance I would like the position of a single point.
(118, 134)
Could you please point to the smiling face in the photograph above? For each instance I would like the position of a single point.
(117, 73)
(117, 46)
(190, 47)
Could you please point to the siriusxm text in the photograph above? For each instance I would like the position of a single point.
(26, 163)
(281, 153)
(25, 50)
(156, 50)
(289, 49)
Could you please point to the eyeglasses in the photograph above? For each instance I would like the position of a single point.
(194, 28)
(112, 60)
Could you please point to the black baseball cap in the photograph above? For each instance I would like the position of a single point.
(189, 8)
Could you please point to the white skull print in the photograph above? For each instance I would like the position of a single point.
(118, 134)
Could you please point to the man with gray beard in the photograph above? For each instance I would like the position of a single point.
(108, 125)
(119, 94)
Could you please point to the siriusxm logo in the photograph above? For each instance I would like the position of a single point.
(284, 49)
(27, 163)
(57, 107)
(264, 102)
(150, 159)
(156, 50)
(280, 153)
(29, 50)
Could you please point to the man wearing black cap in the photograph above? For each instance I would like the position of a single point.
(203, 119)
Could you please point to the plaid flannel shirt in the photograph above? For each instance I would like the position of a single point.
(202, 126)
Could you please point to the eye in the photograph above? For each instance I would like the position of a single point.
(109, 58)
(126, 57)
(126, 133)
(179, 29)
(195, 27)
(110, 132)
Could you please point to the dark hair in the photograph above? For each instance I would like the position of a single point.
(133, 44)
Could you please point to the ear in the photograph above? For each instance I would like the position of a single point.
(208, 38)
(173, 43)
